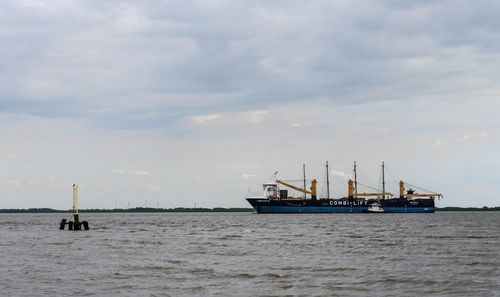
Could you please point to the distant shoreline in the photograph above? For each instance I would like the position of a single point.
(184, 209)
(454, 208)
(137, 209)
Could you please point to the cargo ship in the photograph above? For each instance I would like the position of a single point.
(276, 200)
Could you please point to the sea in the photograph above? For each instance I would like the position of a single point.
(248, 254)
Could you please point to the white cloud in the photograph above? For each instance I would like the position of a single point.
(104, 188)
(484, 135)
(11, 185)
(248, 175)
(138, 172)
(204, 119)
(154, 189)
(464, 137)
(474, 136)
(14, 156)
(340, 173)
(131, 19)
(52, 184)
(22, 185)
(147, 188)
(129, 172)
(56, 184)
(253, 116)
(257, 116)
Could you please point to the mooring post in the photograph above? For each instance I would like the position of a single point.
(63, 223)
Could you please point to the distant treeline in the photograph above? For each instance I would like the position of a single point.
(137, 209)
(198, 209)
(484, 208)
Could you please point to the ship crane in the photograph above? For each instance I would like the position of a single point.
(353, 193)
(411, 193)
(312, 191)
(352, 186)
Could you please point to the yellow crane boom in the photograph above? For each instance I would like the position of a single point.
(372, 194)
(352, 194)
(312, 191)
(402, 192)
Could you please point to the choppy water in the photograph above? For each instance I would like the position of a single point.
(244, 254)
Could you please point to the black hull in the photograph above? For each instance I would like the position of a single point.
(345, 205)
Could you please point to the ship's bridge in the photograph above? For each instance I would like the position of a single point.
(270, 190)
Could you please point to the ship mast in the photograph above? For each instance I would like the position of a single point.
(304, 171)
(383, 180)
(327, 182)
(355, 181)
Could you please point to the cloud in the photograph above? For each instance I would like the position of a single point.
(52, 184)
(154, 189)
(147, 188)
(22, 185)
(484, 135)
(130, 19)
(236, 117)
(341, 174)
(12, 156)
(473, 136)
(257, 116)
(179, 57)
(248, 175)
(138, 172)
(11, 185)
(204, 119)
(129, 172)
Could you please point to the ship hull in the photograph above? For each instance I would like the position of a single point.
(409, 209)
(263, 205)
(310, 209)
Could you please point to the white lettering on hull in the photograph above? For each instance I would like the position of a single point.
(347, 203)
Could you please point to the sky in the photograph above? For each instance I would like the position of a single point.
(177, 103)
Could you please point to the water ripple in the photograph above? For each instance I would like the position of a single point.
(242, 254)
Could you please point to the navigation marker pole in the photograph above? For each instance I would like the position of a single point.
(76, 221)
(75, 224)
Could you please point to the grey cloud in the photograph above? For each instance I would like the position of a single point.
(123, 61)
